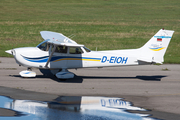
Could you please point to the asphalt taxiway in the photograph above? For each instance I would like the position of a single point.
(153, 87)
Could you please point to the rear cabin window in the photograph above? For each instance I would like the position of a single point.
(75, 50)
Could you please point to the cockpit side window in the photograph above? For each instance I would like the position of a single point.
(44, 46)
(75, 50)
(61, 49)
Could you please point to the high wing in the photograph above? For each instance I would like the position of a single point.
(58, 39)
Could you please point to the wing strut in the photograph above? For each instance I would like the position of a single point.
(50, 56)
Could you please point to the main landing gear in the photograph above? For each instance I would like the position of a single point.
(64, 74)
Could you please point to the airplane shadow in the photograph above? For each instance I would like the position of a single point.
(73, 80)
(151, 78)
(37, 76)
(145, 78)
(79, 79)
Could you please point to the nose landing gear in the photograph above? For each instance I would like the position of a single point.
(27, 73)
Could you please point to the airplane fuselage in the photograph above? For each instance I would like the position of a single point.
(37, 58)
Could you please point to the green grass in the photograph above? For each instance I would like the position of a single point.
(114, 24)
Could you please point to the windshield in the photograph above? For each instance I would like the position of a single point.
(87, 50)
(44, 46)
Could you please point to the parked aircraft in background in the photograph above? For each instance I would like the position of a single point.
(59, 53)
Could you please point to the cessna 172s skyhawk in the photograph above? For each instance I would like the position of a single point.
(58, 53)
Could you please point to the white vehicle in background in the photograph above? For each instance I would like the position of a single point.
(59, 53)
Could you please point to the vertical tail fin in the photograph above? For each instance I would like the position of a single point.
(155, 48)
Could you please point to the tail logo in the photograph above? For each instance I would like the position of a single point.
(157, 49)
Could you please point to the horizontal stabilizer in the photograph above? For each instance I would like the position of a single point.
(145, 60)
(148, 60)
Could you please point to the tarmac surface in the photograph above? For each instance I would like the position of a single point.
(153, 87)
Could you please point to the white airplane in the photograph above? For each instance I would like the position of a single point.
(59, 53)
